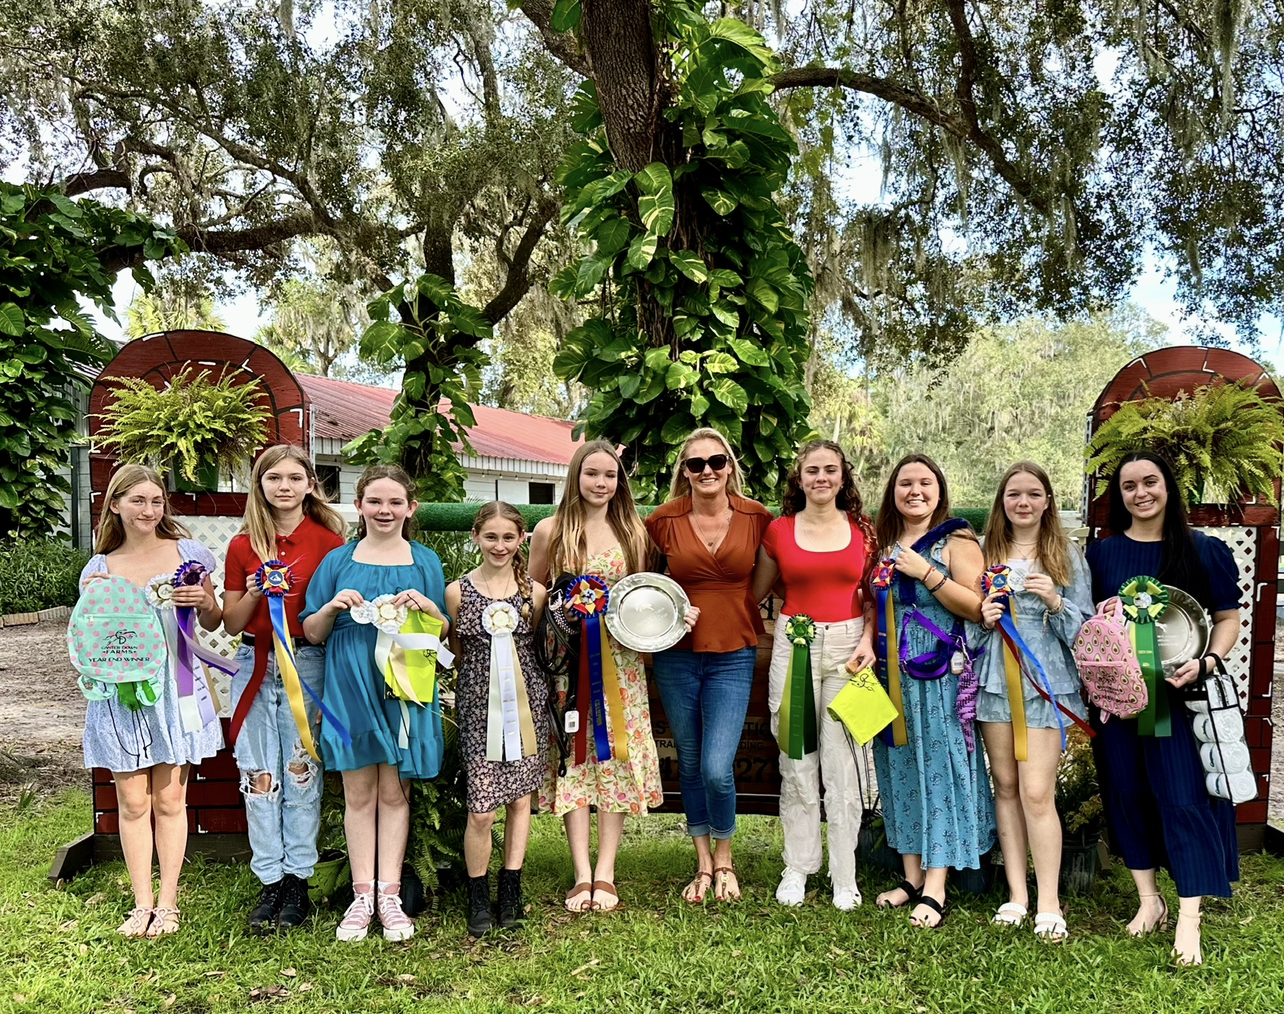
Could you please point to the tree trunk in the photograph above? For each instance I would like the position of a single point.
(621, 50)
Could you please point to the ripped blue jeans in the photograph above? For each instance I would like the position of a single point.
(280, 782)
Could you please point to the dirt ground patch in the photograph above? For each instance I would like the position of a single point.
(42, 712)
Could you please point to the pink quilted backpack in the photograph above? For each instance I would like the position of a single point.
(1108, 663)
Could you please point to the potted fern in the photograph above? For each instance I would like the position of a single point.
(199, 426)
(1083, 818)
(1224, 441)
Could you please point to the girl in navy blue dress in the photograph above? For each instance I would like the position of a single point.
(390, 743)
(1157, 807)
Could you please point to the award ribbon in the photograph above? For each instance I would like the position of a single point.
(798, 704)
(589, 596)
(407, 652)
(510, 726)
(1144, 601)
(195, 705)
(888, 648)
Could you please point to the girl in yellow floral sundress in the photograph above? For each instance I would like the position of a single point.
(596, 530)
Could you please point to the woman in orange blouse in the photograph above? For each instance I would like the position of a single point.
(710, 535)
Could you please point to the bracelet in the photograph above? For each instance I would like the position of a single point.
(1061, 604)
(939, 584)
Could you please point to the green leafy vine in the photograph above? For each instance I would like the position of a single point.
(436, 338)
(702, 291)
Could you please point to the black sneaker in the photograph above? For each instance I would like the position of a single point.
(510, 898)
(263, 915)
(479, 905)
(295, 904)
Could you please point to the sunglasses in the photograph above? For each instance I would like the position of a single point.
(696, 465)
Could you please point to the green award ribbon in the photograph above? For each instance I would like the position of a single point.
(798, 704)
(1144, 601)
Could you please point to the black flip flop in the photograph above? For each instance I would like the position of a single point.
(912, 893)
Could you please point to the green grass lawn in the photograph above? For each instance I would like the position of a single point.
(59, 950)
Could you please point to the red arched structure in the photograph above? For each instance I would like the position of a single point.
(1253, 527)
(158, 357)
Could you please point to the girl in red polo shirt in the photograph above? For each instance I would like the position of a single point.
(287, 519)
(821, 549)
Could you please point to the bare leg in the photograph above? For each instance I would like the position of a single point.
(1038, 781)
(1186, 946)
(478, 843)
(933, 887)
(134, 799)
(361, 809)
(896, 897)
(1000, 751)
(169, 804)
(728, 885)
(394, 823)
(1152, 911)
(610, 828)
(578, 829)
(694, 892)
(517, 832)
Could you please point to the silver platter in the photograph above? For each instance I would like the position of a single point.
(1183, 628)
(646, 610)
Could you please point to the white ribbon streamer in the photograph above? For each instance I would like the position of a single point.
(192, 710)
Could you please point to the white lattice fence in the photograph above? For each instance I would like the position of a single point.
(215, 533)
(1243, 543)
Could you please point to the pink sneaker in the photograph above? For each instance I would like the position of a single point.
(356, 920)
(396, 924)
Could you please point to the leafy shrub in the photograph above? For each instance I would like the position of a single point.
(39, 574)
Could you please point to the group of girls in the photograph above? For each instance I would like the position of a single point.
(905, 596)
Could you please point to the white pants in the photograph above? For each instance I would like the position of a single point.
(833, 764)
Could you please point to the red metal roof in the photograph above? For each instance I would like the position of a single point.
(343, 411)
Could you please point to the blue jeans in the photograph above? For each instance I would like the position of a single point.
(285, 819)
(706, 697)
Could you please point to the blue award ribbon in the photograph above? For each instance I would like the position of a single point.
(593, 634)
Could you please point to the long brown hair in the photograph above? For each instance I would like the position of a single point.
(507, 512)
(568, 545)
(402, 478)
(1053, 550)
(111, 530)
(260, 516)
(680, 485)
(890, 521)
(849, 500)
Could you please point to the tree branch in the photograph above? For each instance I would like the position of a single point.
(563, 45)
(102, 179)
(518, 281)
(227, 242)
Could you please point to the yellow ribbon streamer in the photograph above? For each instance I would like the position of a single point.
(614, 695)
(1016, 702)
(294, 693)
(900, 735)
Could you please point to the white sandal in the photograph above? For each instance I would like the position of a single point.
(1051, 927)
(1010, 914)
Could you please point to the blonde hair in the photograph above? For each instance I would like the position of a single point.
(111, 530)
(507, 512)
(568, 544)
(402, 478)
(1053, 549)
(260, 517)
(681, 484)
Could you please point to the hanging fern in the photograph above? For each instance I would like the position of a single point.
(1224, 442)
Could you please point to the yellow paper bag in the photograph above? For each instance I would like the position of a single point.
(863, 707)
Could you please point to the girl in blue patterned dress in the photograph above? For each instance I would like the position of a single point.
(937, 805)
(1051, 596)
(389, 744)
(147, 751)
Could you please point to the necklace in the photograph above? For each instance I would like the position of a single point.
(486, 586)
(712, 537)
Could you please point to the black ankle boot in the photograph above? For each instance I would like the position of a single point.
(510, 897)
(479, 905)
(263, 915)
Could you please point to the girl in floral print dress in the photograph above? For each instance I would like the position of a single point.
(596, 530)
(496, 607)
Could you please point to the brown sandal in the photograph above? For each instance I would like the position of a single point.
(693, 893)
(607, 888)
(584, 887)
(721, 874)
